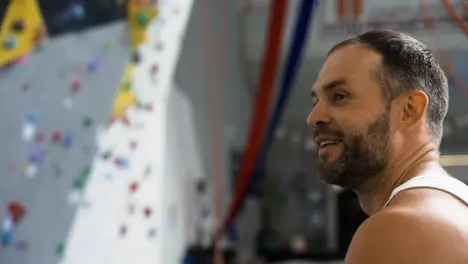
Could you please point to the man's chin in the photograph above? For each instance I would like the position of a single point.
(328, 179)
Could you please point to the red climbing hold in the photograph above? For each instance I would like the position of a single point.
(149, 107)
(76, 85)
(25, 86)
(148, 212)
(154, 69)
(57, 137)
(133, 144)
(17, 211)
(123, 230)
(134, 187)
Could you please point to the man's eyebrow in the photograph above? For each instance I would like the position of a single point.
(330, 86)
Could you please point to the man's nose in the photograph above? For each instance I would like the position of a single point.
(319, 115)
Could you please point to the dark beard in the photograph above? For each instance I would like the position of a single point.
(365, 155)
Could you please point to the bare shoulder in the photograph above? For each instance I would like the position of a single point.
(402, 235)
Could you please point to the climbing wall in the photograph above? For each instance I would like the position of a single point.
(136, 186)
(52, 106)
(87, 136)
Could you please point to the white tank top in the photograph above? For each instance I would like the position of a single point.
(448, 184)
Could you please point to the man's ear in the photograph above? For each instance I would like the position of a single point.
(414, 106)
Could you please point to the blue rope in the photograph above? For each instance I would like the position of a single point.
(306, 14)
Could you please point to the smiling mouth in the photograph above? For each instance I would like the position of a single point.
(328, 143)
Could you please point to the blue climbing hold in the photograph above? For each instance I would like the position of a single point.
(7, 237)
(32, 118)
(68, 141)
(10, 43)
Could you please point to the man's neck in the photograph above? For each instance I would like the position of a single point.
(376, 192)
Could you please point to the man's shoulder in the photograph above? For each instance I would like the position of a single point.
(403, 235)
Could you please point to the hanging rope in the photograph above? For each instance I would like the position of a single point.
(300, 37)
(260, 114)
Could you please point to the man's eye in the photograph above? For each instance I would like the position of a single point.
(339, 97)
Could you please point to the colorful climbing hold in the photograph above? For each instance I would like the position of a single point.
(37, 155)
(30, 170)
(133, 187)
(57, 137)
(87, 122)
(154, 69)
(143, 19)
(148, 212)
(126, 86)
(17, 212)
(152, 232)
(136, 57)
(67, 141)
(32, 117)
(60, 249)
(76, 84)
(10, 43)
(25, 86)
(28, 131)
(18, 26)
(121, 162)
(149, 107)
(106, 155)
(95, 64)
(7, 224)
(6, 237)
(123, 230)
(82, 179)
(133, 144)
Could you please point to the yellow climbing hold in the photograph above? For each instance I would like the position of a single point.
(125, 97)
(22, 30)
(139, 17)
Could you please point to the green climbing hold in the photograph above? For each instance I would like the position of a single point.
(143, 20)
(82, 179)
(87, 122)
(126, 86)
(60, 249)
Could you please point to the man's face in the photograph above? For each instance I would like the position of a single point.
(350, 118)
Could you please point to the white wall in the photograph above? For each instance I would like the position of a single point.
(163, 146)
(211, 74)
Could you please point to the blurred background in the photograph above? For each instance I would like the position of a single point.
(143, 131)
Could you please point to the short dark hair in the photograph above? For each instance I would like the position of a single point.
(407, 65)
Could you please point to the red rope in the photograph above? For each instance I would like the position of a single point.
(455, 17)
(262, 104)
